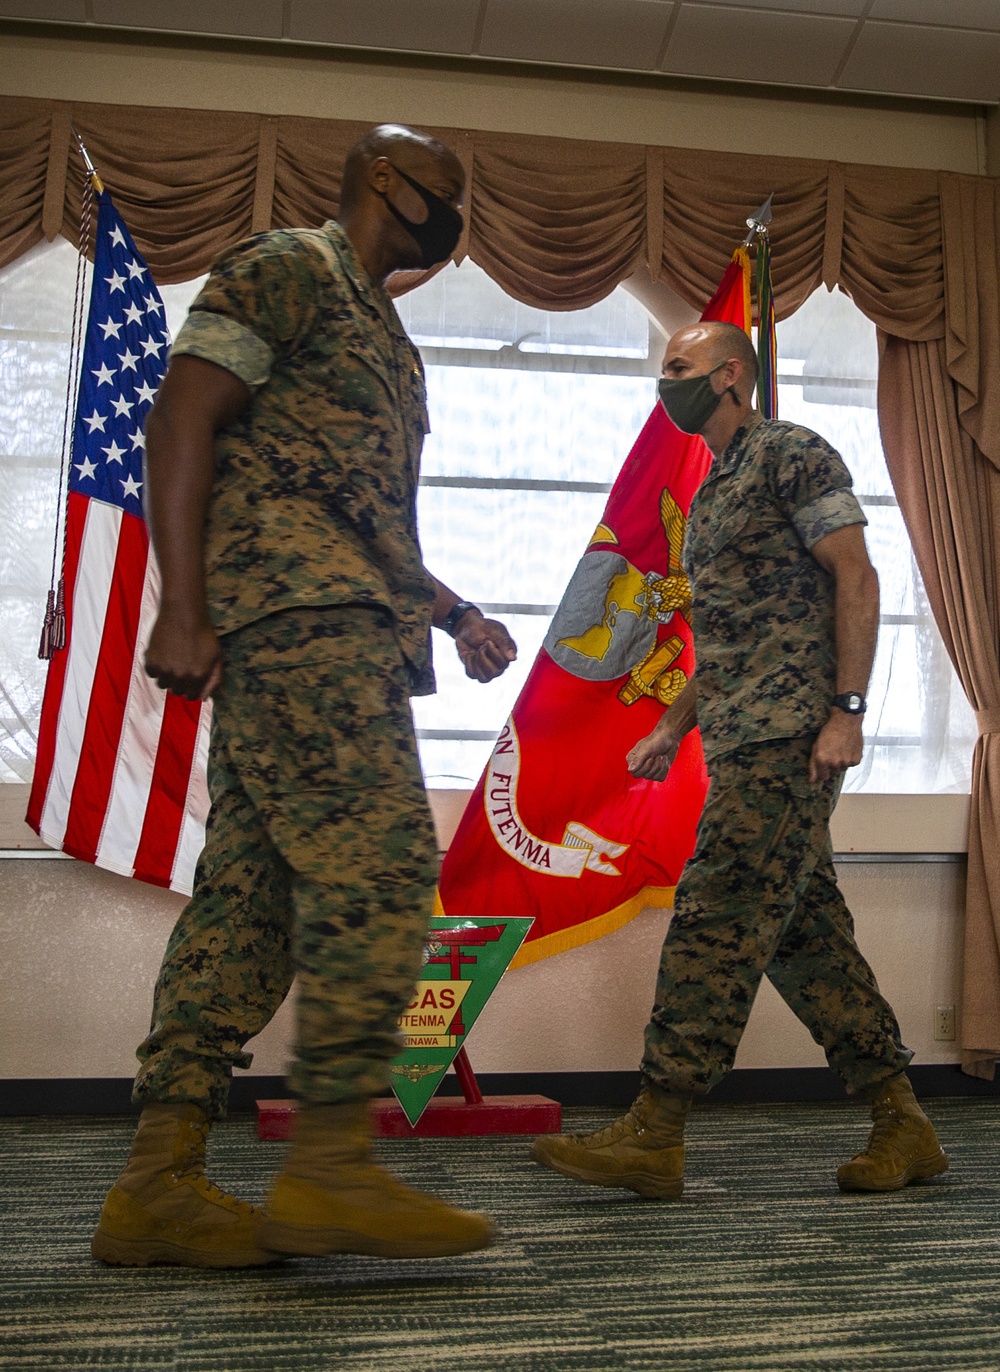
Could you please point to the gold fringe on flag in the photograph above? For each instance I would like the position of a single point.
(742, 258)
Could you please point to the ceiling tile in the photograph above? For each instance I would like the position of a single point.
(910, 59)
(751, 45)
(851, 8)
(594, 33)
(248, 19)
(63, 11)
(959, 14)
(428, 26)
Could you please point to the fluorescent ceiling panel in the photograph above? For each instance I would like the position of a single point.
(959, 14)
(60, 11)
(593, 33)
(755, 45)
(909, 59)
(248, 19)
(849, 8)
(447, 26)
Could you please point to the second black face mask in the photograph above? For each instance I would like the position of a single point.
(690, 401)
(440, 231)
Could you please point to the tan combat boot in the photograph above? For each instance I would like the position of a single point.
(333, 1197)
(643, 1151)
(163, 1209)
(902, 1147)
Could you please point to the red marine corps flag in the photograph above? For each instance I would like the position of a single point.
(557, 828)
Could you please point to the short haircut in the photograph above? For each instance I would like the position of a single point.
(729, 340)
(382, 141)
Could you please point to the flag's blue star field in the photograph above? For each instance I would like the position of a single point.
(124, 358)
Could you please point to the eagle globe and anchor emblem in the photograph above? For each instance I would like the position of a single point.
(606, 627)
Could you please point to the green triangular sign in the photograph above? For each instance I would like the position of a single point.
(463, 961)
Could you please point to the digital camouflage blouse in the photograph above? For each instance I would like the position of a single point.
(763, 607)
(314, 495)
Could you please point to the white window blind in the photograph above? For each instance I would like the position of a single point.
(532, 415)
(919, 726)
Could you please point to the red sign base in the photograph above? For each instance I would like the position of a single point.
(444, 1117)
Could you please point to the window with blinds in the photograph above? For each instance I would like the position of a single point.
(532, 415)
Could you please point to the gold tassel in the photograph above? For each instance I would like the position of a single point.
(54, 624)
(59, 621)
(45, 646)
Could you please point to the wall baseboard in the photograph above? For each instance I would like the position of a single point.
(112, 1095)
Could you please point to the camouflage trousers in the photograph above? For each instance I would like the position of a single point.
(320, 862)
(760, 896)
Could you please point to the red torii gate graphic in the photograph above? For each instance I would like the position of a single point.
(455, 940)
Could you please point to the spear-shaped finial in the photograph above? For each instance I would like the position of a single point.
(759, 220)
(96, 181)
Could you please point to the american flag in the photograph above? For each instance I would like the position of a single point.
(120, 772)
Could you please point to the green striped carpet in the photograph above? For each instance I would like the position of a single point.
(762, 1267)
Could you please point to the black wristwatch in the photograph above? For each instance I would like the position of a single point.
(851, 703)
(457, 611)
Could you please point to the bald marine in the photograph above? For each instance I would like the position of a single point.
(705, 362)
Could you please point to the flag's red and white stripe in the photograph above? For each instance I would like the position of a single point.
(120, 773)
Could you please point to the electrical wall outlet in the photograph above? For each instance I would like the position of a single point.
(944, 1022)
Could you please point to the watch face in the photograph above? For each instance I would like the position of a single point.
(850, 702)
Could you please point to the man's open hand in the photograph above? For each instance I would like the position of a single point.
(839, 745)
(184, 656)
(484, 646)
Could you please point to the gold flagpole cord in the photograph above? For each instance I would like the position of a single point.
(53, 636)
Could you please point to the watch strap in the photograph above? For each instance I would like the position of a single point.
(457, 611)
(851, 702)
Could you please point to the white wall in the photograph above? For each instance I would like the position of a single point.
(260, 78)
(80, 949)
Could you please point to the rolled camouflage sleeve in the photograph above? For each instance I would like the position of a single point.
(227, 343)
(259, 301)
(832, 511)
(812, 485)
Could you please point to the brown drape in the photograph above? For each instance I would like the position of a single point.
(25, 132)
(184, 183)
(950, 498)
(970, 221)
(559, 223)
(706, 199)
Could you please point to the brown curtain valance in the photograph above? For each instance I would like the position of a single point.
(24, 162)
(183, 181)
(557, 222)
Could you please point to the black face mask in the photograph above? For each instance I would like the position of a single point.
(690, 401)
(440, 231)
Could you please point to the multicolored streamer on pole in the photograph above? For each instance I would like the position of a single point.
(742, 260)
(767, 346)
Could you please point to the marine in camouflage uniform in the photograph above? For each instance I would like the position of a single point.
(760, 896)
(283, 455)
(320, 853)
(760, 893)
